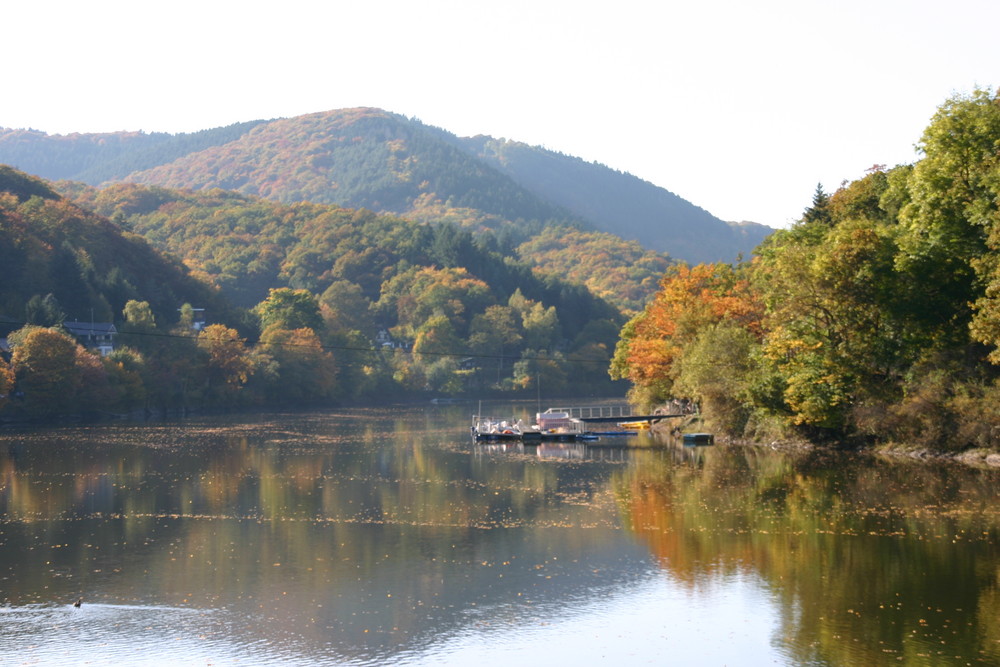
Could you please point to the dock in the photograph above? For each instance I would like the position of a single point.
(564, 424)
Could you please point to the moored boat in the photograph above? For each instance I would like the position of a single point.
(559, 427)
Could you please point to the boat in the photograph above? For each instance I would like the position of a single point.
(489, 429)
(548, 426)
(638, 426)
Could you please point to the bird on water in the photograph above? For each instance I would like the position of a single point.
(78, 602)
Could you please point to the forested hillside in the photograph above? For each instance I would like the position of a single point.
(369, 158)
(620, 203)
(330, 303)
(96, 158)
(63, 262)
(876, 317)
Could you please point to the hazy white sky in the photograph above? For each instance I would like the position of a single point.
(740, 107)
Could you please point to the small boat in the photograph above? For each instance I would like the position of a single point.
(494, 430)
(560, 428)
(695, 439)
(635, 425)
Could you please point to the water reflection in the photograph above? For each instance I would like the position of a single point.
(870, 560)
(358, 537)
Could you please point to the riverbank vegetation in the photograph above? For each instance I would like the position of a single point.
(876, 318)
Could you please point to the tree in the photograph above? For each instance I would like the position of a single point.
(139, 326)
(820, 209)
(44, 363)
(345, 308)
(139, 316)
(304, 371)
(950, 218)
(715, 371)
(690, 299)
(540, 370)
(6, 382)
(44, 311)
(125, 369)
(289, 309)
(495, 332)
(229, 365)
(836, 326)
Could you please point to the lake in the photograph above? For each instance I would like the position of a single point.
(386, 537)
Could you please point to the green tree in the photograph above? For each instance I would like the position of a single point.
(833, 327)
(139, 328)
(715, 372)
(820, 209)
(139, 316)
(495, 333)
(289, 309)
(44, 311)
(540, 324)
(951, 213)
(541, 371)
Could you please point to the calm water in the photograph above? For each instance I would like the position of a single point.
(384, 537)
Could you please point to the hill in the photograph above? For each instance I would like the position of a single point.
(246, 245)
(474, 315)
(386, 305)
(369, 158)
(89, 266)
(619, 203)
(100, 157)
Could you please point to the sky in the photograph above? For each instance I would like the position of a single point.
(740, 107)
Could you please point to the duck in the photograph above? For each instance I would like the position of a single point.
(79, 601)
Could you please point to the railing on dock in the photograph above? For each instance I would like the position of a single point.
(595, 412)
(624, 413)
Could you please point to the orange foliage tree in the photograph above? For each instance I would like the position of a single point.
(690, 300)
(229, 365)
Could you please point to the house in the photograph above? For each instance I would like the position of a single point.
(197, 318)
(93, 335)
(385, 340)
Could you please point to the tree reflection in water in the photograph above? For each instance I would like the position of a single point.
(364, 536)
(871, 560)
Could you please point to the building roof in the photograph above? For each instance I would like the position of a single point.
(90, 328)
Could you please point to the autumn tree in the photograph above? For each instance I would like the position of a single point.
(125, 369)
(6, 382)
(690, 299)
(303, 370)
(345, 308)
(229, 366)
(44, 363)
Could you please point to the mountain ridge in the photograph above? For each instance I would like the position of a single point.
(371, 158)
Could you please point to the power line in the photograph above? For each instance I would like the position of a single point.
(350, 348)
